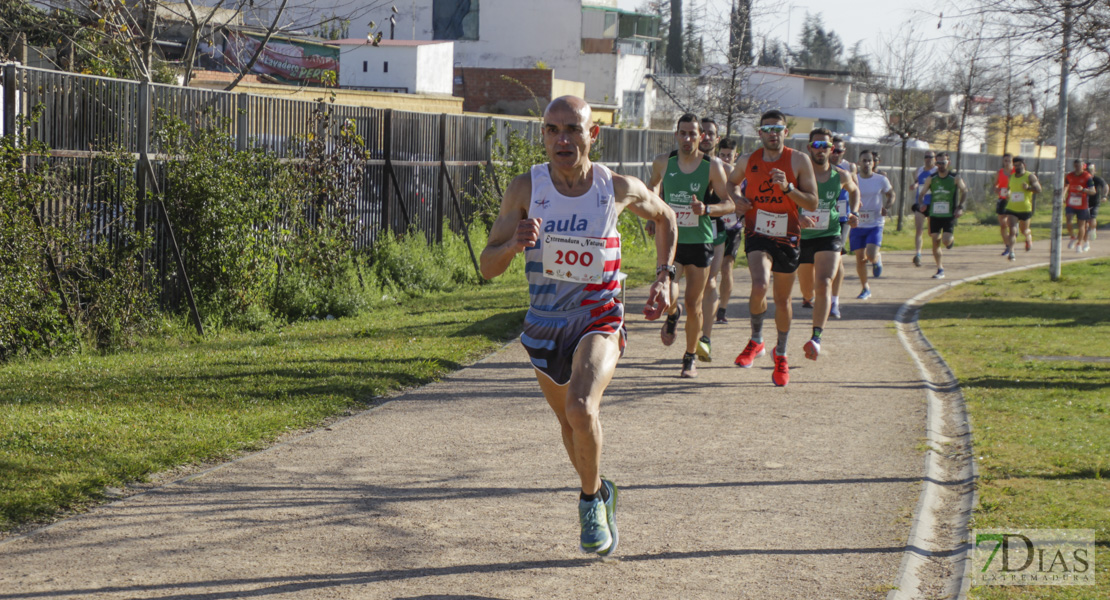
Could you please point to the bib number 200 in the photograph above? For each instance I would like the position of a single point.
(572, 257)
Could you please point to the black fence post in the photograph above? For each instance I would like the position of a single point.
(143, 148)
(387, 172)
(10, 109)
(440, 199)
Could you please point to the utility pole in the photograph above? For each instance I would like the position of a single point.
(1060, 192)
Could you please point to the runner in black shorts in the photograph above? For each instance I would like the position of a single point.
(777, 182)
(684, 179)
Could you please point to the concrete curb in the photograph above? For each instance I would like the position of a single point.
(923, 545)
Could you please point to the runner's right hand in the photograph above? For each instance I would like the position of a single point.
(527, 233)
(658, 300)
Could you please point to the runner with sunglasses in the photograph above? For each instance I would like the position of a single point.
(778, 181)
(821, 241)
(734, 229)
(840, 159)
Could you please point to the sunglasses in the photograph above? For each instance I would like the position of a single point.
(820, 145)
(930, 156)
(838, 151)
(772, 128)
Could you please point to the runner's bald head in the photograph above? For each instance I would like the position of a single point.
(573, 104)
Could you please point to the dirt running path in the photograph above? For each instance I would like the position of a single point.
(730, 488)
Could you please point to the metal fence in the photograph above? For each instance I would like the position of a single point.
(424, 169)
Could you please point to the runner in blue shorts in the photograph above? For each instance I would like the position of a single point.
(876, 197)
(563, 216)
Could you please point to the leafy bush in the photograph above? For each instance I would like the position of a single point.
(30, 310)
(226, 207)
(98, 277)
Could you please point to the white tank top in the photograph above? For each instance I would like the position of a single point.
(577, 259)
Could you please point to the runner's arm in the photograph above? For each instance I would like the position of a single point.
(889, 195)
(1034, 183)
(718, 178)
(513, 231)
(735, 179)
(804, 193)
(962, 187)
(645, 204)
(658, 169)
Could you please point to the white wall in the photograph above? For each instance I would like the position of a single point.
(422, 69)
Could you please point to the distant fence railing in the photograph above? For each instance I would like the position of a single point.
(424, 169)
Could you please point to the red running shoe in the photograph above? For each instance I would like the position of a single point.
(781, 376)
(751, 352)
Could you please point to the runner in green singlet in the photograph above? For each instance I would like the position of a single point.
(949, 192)
(821, 241)
(683, 180)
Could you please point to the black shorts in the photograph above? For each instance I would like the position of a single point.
(939, 224)
(784, 257)
(694, 255)
(1093, 210)
(732, 241)
(1081, 214)
(1000, 206)
(810, 248)
(1021, 216)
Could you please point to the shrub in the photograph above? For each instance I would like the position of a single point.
(226, 208)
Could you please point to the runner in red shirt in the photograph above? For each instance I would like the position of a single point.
(1002, 184)
(777, 181)
(1078, 184)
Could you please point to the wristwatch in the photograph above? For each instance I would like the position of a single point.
(668, 268)
(789, 188)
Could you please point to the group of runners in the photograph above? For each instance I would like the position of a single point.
(793, 211)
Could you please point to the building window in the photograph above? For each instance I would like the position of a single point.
(455, 19)
(385, 67)
(365, 65)
(1028, 147)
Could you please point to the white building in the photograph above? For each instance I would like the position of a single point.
(830, 101)
(405, 66)
(591, 41)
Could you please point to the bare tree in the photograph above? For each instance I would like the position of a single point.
(972, 77)
(897, 83)
(1071, 34)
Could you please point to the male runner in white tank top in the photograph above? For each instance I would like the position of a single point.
(574, 329)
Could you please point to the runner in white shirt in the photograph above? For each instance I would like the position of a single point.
(876, 198)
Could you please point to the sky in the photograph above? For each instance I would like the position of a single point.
(852, 20)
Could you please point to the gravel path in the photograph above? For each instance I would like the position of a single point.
(730, 487)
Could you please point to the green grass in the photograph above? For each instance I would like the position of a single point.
(1041, 429)
(971, 230)
(72, 426)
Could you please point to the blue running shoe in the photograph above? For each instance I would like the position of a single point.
(864, 295)
(834, 311)
(877, 270)
(611, 515)
(595, 530)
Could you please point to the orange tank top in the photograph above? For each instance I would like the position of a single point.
(773, 214)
